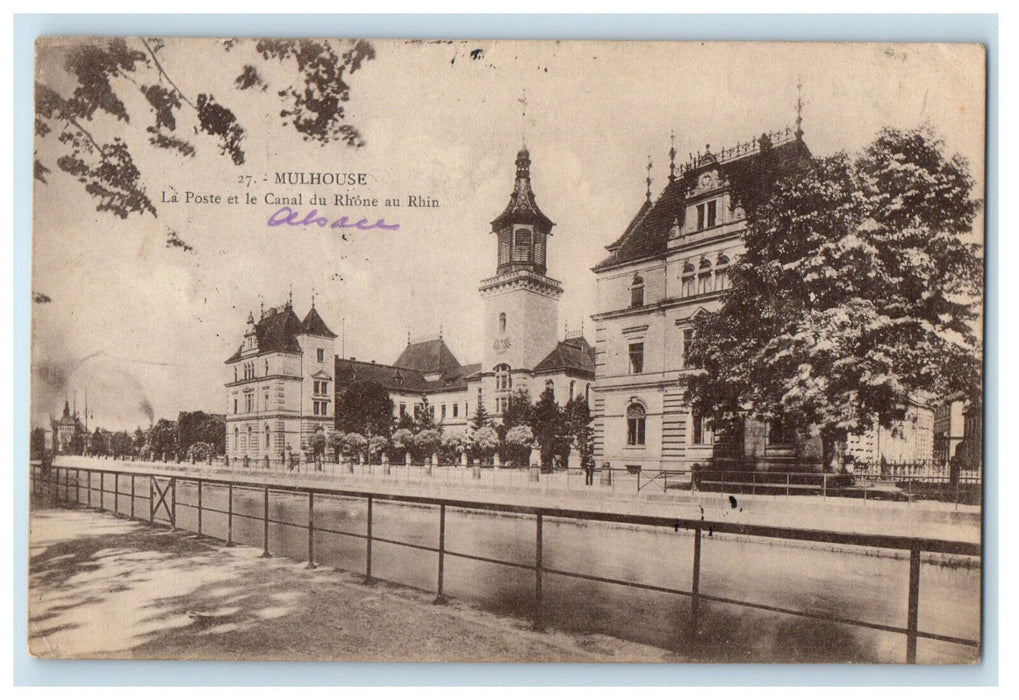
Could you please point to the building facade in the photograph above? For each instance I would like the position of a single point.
(670, 265)
(909, 440)
(949, 428)
(280, 385)
(520, 321)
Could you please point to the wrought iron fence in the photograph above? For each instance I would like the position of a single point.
(65, 485)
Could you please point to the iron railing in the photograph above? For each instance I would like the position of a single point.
(64, 484)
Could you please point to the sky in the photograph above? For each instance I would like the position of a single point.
(145, 329)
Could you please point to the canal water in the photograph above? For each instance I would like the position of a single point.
(845, 582)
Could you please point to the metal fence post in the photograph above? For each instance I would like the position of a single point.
(77, 485)
(132, 496)
(265, 524)
(152, 512)
(230, 515)
(914, 603)
(199, 481)
(439, 597)
(368, 546)
(173, 503)
(67, 486)
(539, 614)
(311, 530)
(696, 582)
(116, 492)
(102, 489)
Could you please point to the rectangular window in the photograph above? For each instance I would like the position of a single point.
(314, 407)
(700, 217)
(235, 405)
(687, 342)
(265, 402)
(321, 355)
(636, 358)
(702, 434)
(456, 410)
(712, 212)
(431, 412)
(635, 431)
(443, 411)
(403, 409)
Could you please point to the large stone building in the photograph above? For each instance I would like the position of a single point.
(65, 428)
(279, 385)
(670, 265)
(520, 322)
(285, 379)
(909, 440)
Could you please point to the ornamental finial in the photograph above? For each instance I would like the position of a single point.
(649, 177)
(672, 159)
(799, 108)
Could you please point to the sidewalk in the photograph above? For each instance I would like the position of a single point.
(926, 519)
(103, 587)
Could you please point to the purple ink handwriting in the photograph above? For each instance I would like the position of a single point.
(285, 216)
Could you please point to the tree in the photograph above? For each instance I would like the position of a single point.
(163, 438)
(857, 290)
(518, 440)
(138, 441)
(354, 444)
(403, 440)
(578, 427)
(111, 78)
(199, 426)
(423, 418)
(481, 418)
(485, 441)
(426, 443)
(334, 439)
(37, 445)
(365, 408)
(549, 428)
(121, 443)
(100, 443)
(376, 446)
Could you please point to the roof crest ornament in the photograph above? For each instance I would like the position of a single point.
(649, 177)
(672, 159)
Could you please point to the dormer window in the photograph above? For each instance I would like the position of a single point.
(637, 291)
(707, 213)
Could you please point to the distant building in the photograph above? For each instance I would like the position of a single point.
(970, 453)
(279, 384)
(910, 439)
(65, 428)
(949, 428)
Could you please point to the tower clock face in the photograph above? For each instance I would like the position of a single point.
(501, 345)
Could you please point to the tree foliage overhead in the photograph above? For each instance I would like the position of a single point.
(857, 290)
(104, 71)
(365, 408)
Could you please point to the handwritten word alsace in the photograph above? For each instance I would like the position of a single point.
(291, 217)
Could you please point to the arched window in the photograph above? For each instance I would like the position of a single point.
(635, 423)
(550, 386)
(503, 379)
(266, 437)
(687, 289)
(237, 439)
(502, 322)
(587, 394)
(637, 291)
(704, 277)
(267, 368)
(248, 443)
(721, 273)
(573, 386)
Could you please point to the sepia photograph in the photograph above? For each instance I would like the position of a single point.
(507, 351)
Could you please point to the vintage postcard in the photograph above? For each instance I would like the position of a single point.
(512, 351)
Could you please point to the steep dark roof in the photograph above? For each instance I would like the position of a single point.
(400, 379)
(428, 357)
(750, 176)
(314, 325)
(573, 355)
(276, 331)
(522, 207)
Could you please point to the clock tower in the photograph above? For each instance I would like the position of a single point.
(521, 302)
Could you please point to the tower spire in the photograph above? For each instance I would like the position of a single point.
(672, 158)
(313, 297)
(290, 298)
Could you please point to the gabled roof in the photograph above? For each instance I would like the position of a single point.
(314, 325)
(574, 355)
(428, 357)
(276, 331)
(750, 176)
